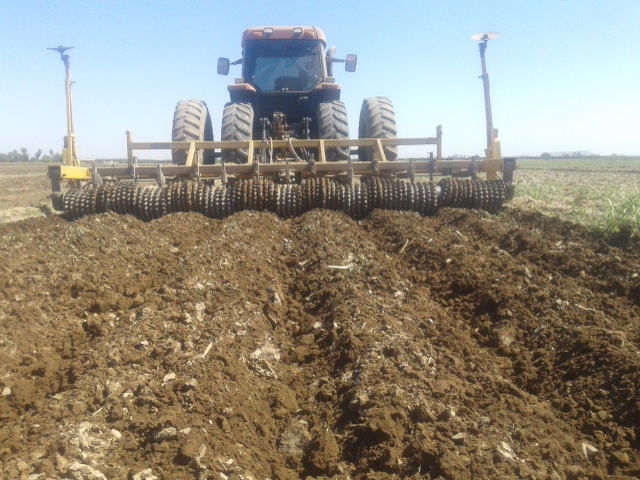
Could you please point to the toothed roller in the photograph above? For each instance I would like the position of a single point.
(497, 189)
(69, 200)
(288, 200)
(445, 192)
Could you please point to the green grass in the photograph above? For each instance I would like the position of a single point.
(536, 188)
(617, 210)
(603, 194)
(603, 164)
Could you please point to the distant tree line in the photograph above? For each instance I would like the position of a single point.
(24, 156)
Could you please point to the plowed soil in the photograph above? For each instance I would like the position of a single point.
(460, 346)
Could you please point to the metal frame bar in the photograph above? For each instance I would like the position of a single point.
(377, 143)
(378, 166)
(310, 169)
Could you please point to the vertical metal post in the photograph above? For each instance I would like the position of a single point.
(129, 148)
(487, 95)
(70, 152)
(72, 156)
(493, 143)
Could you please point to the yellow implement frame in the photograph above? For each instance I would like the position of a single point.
(289, 165)
(286, 165)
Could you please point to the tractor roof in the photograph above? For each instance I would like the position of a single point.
(283, 33)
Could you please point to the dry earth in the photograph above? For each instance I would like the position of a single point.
(24, 191)
(460, 346)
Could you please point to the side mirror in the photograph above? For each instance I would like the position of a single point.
(223, 66)
(351, 62)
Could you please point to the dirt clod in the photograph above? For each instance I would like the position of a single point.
(459, 346)
(323, 450)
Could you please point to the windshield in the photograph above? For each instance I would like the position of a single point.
(272, 66)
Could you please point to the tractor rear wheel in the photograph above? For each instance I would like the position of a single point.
(192, 123)
(237, 125)
(377, 120)
(333, 124)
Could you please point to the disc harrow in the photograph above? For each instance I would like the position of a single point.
(285, 200)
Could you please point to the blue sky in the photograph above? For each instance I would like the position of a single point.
(565, 75)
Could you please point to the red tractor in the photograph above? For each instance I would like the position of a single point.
(287, 90)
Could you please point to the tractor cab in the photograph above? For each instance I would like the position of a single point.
(284, 66)
(287, 78)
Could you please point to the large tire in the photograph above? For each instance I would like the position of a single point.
(377, 120)
(333, 124)
(237, 125)
(192, 122)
